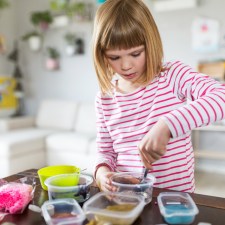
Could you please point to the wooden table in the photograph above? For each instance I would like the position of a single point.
(211, 209)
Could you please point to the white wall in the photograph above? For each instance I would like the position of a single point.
(76, 79)
(7, 29)
(175, 29)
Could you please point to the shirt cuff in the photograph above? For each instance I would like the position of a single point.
(100, 165)
(171, 125)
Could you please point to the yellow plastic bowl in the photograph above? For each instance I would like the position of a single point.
(50, 171)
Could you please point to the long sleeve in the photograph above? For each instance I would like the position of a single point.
(106, 153)
(206, 99)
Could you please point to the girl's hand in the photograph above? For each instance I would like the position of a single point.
(103, 179)
(153, 145)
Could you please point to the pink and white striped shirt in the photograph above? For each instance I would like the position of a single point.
(124, 119)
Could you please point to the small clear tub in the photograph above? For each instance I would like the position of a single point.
(114, 208)
(62, 212)
(177, 207)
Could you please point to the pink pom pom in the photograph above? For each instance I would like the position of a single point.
(14, 197)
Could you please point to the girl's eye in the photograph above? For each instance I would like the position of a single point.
(136, 54)
(113, 58)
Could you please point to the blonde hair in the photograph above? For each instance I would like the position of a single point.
(123, 24)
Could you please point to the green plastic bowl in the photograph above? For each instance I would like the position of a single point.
(50, 171)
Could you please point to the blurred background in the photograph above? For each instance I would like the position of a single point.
(45, 52)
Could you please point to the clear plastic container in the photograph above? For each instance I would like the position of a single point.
(130, 183)
(177, 207)
(62, 212)
(49, 171)
(60, 186)
(114, 208)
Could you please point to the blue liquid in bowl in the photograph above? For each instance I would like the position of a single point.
(178, 219)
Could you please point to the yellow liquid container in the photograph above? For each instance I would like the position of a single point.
(8, 100)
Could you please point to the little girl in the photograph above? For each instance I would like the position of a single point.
(143, 116)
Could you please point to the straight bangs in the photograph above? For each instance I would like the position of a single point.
(122, 34)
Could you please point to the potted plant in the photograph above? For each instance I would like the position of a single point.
(70, 39)
(76, 9)
(79, 46)
(42, 19)
(4, 4)
(79, 10)
(34, 40)
(61, 7)
(53, 55)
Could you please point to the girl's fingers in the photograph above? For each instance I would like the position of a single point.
(106, 184)
(107, 187)
(149, 157)
(146, 161)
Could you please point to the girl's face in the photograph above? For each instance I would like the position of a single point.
(130, 64)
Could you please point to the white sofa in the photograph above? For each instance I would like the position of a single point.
(62, 132)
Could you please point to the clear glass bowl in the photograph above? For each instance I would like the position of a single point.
(130, 183)
(60, 186)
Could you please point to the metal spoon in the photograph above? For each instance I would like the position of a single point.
(144, 176)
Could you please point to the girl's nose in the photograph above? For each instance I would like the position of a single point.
(125, 64)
